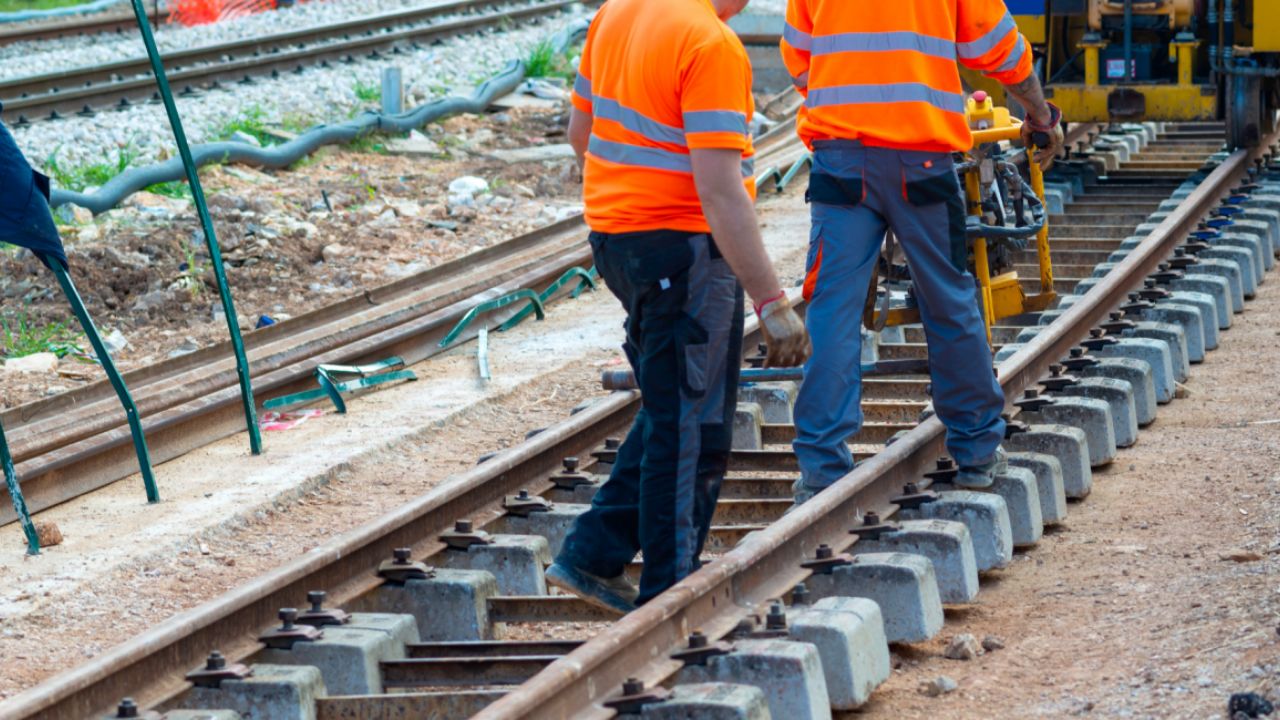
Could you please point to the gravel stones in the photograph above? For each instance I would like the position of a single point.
(963, 647)
(940, 685)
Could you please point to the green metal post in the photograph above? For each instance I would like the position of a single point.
(15, 494)
(109, 366)
(210, 237)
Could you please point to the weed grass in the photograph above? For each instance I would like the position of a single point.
(20, 5)
(367, 92)
(251, 122)
(20, 336)
(91, 175)
(543, 61)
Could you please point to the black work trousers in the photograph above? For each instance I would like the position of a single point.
(684, 340)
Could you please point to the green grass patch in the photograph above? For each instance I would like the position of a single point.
(172, 189)
(543, 61)
(92, 175)
(368, 143)
(367, 92)
(253, 121)
(20, 5)
(21, 336)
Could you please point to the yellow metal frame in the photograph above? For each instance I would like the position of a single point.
(1003, 295)
(1182, 100)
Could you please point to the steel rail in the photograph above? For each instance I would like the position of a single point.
(767, 565)
(77, 442)
(110, 21)
(93, 87)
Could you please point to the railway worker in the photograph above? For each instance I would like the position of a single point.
(883, 111)
(661, 110)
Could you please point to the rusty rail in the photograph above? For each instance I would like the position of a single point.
(767, 565)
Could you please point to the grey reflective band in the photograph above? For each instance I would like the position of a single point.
(655, 158)
(983, 45)
(796, 39)
(1012, 61)
(652, 158)
(893, 93)
(582, 86)
(635, 122)
(700, 121)
(801, 82)
(884, 42)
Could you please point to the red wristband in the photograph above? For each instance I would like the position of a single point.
(781, 294)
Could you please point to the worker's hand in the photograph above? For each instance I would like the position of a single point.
(1045, 135)
(784, 334)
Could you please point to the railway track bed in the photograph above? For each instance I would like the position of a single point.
(761, 555)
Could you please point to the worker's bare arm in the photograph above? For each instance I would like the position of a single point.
(717, 173)
(1030, 95)
(579, 133)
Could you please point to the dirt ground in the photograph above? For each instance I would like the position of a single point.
(1158, 597)
(347, 219)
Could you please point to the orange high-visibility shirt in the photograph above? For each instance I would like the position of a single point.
(885, 72)
(659, 77)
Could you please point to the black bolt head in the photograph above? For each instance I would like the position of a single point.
(1097, 332)
(612, 443)
(571, 464)
(910, 489)
(1031, 393)
(288, 615)
(522, 495)
(463, 526)
(871, 518)
(127, 709)
(316, 598)
(825, 552)
(945, 463)
(215, 661)
(800, 594)
(697, 640)
(632, 686)
(1077, 352)
(401, 555)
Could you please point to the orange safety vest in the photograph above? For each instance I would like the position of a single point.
(885, 72)
(659, 77)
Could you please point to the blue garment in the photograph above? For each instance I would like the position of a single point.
(857, 193)
(25, 218)
(684, 341)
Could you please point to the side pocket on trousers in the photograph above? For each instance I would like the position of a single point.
(834, 190)
(694, 356)
(928, 178)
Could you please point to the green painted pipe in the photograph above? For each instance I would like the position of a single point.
(210, 237)
(113, 375)
(15, 494)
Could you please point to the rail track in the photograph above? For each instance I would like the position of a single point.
(462, 667)
(120, 84)
(112, 21)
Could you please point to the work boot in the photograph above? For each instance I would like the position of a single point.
(802, 493)
(617, 594)
(979, 477)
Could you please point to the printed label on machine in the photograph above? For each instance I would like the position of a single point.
(1115, 68)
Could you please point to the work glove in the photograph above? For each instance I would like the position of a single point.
(784, 334)
(1048, 139)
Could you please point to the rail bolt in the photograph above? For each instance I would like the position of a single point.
(127, 709)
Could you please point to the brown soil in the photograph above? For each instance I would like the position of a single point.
(1135, 607)
(143, 269)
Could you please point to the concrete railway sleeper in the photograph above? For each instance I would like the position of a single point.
(794, 615)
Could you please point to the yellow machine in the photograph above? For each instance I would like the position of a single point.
(1134, 60)
(998, 198)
